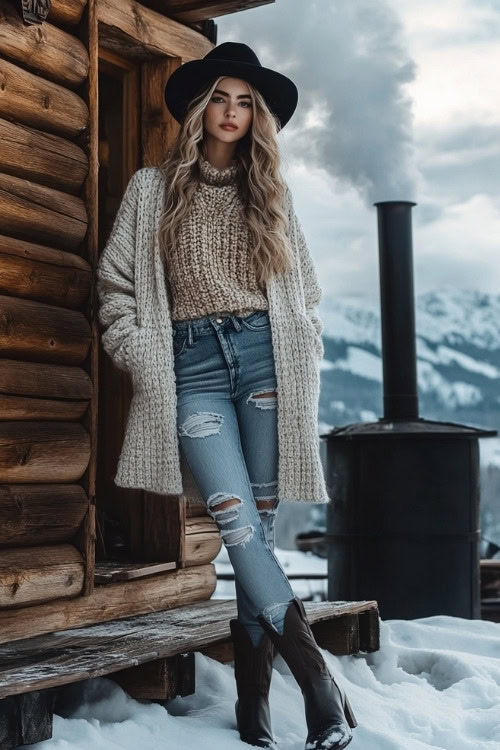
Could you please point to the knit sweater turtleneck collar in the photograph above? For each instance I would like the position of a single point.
(211, 175)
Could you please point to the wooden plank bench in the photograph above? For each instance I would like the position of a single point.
(150, 656)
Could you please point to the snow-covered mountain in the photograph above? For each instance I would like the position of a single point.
(458, 359)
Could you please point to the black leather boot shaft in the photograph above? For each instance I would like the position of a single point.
(329, 715)
(253, 668)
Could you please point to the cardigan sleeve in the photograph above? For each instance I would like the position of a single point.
(115, 279)
(312, 290)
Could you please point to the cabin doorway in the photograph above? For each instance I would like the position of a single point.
(137, 533)
(118, 511)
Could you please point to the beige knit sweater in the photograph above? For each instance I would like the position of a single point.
(136, 316)
(209, 267)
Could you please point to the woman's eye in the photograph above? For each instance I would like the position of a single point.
(247, 104)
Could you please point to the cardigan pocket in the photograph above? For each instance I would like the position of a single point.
(315, 337)
(141, 348)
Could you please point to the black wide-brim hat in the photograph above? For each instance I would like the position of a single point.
(239, 61)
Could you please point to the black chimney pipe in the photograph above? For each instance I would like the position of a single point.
(397, 302)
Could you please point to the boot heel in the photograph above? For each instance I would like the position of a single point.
(349, 713)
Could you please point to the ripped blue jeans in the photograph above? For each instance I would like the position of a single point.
(227, 404)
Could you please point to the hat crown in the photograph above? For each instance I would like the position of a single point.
(227, 60)
(233, 52)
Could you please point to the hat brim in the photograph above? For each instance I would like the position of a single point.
(278, 90)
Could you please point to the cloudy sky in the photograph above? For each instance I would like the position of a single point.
(397, 101)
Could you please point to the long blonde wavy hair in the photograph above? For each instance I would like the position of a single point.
(261, 188)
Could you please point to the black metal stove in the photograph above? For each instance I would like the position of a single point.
(403, 524)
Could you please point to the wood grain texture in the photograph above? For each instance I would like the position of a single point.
(45, 333)
(101, 649)
(112, 602)
(18, 407)
(139, 32)
(32, 575)
(86, 541)
(38, 380)
(26, 719)
(109, 571)
(159, 128)
(42, 48)
(34, 272)
(190, 11)
(66, 12)
(196, 508)
(35, 514)
(36, 212)
(42, 157)
(203, 540)
(159, 680)
(43, 451)
(32, 100)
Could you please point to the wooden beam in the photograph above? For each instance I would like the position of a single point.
(111, 602)
(340, 636)
(35, 514)
(159, 680)
(46, 50)
(42, 157)
(33, 575)
(26, 719)
(202, 541)
(140, 33)
(38, 380)
(66, 12)
(32, 100)
(159, 128)
(164, 529)
(32, 330)
(369, 630)
(98, 650)
(41, 273)
(190, 11)
(36, 212)
(43, 451)
(90, 39)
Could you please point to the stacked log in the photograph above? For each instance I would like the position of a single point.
(45, 328)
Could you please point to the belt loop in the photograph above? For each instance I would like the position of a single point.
(236, 322)
(190, 334)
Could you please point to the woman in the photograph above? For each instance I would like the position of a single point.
(209, 298)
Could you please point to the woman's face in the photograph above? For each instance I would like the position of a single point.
(230, 103)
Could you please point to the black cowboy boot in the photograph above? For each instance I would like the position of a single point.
(253, 668)
(325, 702)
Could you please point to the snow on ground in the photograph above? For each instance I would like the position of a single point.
(434, 683)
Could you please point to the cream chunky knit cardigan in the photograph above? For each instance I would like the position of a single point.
(135, 313)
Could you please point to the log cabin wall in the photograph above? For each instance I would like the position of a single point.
(49, 334)
(46, 383)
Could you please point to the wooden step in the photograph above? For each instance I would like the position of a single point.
(67, 656)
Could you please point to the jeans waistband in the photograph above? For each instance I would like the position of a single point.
(209, 323)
